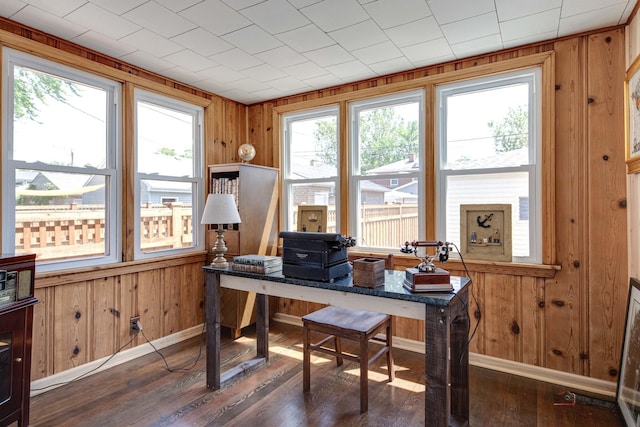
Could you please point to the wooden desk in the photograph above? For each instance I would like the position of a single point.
(446, 317)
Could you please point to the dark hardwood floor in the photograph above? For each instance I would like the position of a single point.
(143, 393)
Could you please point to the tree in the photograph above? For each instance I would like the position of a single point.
(31, 87)
(385, 138)
(512, 132)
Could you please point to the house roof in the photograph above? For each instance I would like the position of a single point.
(256, 50)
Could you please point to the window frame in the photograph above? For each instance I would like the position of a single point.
(534, 77)
(197, 180)
(111, 172)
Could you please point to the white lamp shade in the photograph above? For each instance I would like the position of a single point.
(220, 209)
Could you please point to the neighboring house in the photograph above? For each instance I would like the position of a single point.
(410, 164)
(58, 189)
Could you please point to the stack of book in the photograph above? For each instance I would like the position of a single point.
(418, 281)
(263, 264)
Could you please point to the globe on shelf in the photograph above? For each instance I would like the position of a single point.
(246, 152)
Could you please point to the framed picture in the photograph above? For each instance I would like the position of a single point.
(485, 232)
(628, 392)
(312, 218)
(632, 116)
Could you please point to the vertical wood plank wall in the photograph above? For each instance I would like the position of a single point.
(572, 320)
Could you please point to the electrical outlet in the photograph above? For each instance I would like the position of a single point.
(133, 325)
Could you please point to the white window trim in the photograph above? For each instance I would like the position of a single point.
(286, 216)
(197, 180)
(111, 173)
(535, 136)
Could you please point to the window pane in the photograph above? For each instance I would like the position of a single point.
(487, 128)
(60, 216)
(505, 188)
(320, 193)
(67, 126)
(313, 148)
(165, 140)
(165, 224)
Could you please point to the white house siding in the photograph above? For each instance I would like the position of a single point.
(489, 189)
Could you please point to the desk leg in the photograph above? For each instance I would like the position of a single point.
(437, 407)
(212, 324)
(460, 359)
(262, 326)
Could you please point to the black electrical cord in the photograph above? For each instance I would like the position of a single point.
(473, 295)
(166, 364)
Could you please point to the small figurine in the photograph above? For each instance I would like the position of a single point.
(496, 236)
(474, 237)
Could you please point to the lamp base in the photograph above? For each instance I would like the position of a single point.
(219, 249)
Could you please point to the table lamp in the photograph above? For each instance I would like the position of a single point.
(220, 209)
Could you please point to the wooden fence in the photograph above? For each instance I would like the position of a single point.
(58, 232)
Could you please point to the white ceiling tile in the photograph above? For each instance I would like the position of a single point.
(185, 76)
(275, 16)
(215, 17)
(102, 21)
(282, 56)
(575, 7)
(289, 84)
(190, 60)
(260, 95)
(589, 20)
(252, 39)
(147, 61)
(306, 38)
(159, 19)
(351, 70)
(9, 7)
(477, 46)
(236, 59)
(377, 53)
(175, 5)
(213, 85)
(324, 81)
(241, 4)
(248, 85)
(103, 44)
(391, 13)
(118, 6)
(330, 55)
(152, 43)
(359, 35)
(391, 66)
(512, 9)
(47, 22)
(306, 70)
(415, 32)
(264, 73)
(426, 51)
(627, 11)
(202, 42)
(445, 11)
(331, 15)
(57, 7)
(299, 4)
(471, 28)
(533, 38)
(529, 25)
(222, 74)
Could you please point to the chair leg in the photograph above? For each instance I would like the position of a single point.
(306, 360)
(338, 347)
(392, 372)
(364, 374)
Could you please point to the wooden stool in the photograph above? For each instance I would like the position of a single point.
(357, 325)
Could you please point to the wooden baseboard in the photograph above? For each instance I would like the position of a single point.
(575, 383)
(56, 380)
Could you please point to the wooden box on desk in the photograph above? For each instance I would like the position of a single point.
(368, 272)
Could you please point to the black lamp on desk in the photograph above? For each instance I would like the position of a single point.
(220, 209)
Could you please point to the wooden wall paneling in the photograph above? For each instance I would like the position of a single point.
(608, 278)
(103, 324)
(42, 338)
(477, 315)
(173, 283)
(192, 295)
(127, 308)
(531, 320)
(150, 291)
(500, 316)
(562, 294)
(128, 165)
(71, 326)
(212, 119)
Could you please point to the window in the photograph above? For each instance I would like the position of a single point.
(488, 151)
(310, 164)
(386, 135)
(168, 159)
(60, 186)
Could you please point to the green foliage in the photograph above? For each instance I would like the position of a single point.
(385, 138)
(171, 152)
(512, 132)
(32, 88)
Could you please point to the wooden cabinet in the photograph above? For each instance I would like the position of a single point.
(16, 324)
(255, 189)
